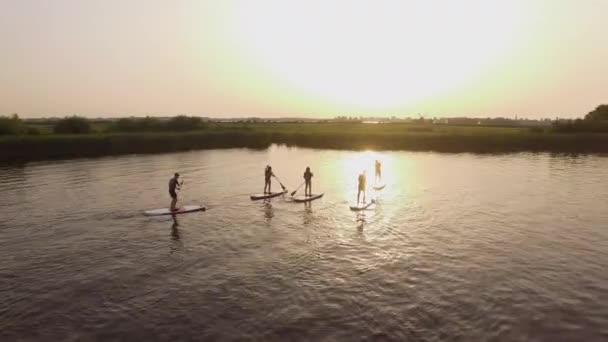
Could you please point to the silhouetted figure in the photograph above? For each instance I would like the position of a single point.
(308, 181)
(362, 185)
(173, 186)
(378, 171)
(267, 178)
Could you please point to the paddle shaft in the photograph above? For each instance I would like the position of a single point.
(282, 186)
(296, 190)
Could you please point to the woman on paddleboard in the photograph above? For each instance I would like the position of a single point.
(308, 181)
(378, 171)
(362, 184)
(174, 185)
(267, 176)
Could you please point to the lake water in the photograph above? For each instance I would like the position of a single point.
(460, 247)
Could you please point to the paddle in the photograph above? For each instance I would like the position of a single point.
(282, 186)
(296, 190)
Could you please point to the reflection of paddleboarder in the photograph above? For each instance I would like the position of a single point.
(173, 186)
(174, 230)
(378, 171)
(362, 185)
(176, 244)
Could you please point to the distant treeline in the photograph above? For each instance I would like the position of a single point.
(149, 124)
(452, 121)
(13, 125)
(595, 121)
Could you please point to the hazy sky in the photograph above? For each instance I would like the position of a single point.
(317, 58)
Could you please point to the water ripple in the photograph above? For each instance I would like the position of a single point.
(460, 247)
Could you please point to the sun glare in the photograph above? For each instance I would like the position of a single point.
(354, 164)
(375, 54)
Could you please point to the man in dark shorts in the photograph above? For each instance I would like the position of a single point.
(267, 176)
(174, 185)
(308, 181)
(362, 185)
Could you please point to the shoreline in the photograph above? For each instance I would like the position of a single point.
(45, 147)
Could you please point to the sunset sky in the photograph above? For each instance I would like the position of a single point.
(313, 58)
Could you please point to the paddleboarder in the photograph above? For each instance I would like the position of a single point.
(362, 183)
(308, 180)
(174, 185)
(378, 171)
(267, 178)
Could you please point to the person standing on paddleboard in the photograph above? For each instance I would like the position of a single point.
(308, 181)
(362, 184)
(174, 185)
(378, 171)
(267, 177)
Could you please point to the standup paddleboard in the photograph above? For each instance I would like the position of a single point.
(302, 198)
(362, 206)
(266, 196)
(379, 187)
(182, 210)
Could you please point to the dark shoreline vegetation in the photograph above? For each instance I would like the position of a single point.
(74, 137)
(332, 136)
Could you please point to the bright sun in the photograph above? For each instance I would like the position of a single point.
(376, 54)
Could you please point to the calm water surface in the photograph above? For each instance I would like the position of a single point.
(461, 247)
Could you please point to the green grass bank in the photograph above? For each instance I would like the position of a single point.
(412, 137)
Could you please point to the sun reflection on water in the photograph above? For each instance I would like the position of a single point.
(352, 165)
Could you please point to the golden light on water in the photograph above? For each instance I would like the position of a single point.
(376, 54)
(352, 165)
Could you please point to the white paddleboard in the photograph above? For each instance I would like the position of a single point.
(182, 210)
(362, 206)
(379, 187)
(266, 196)
(303, 198)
